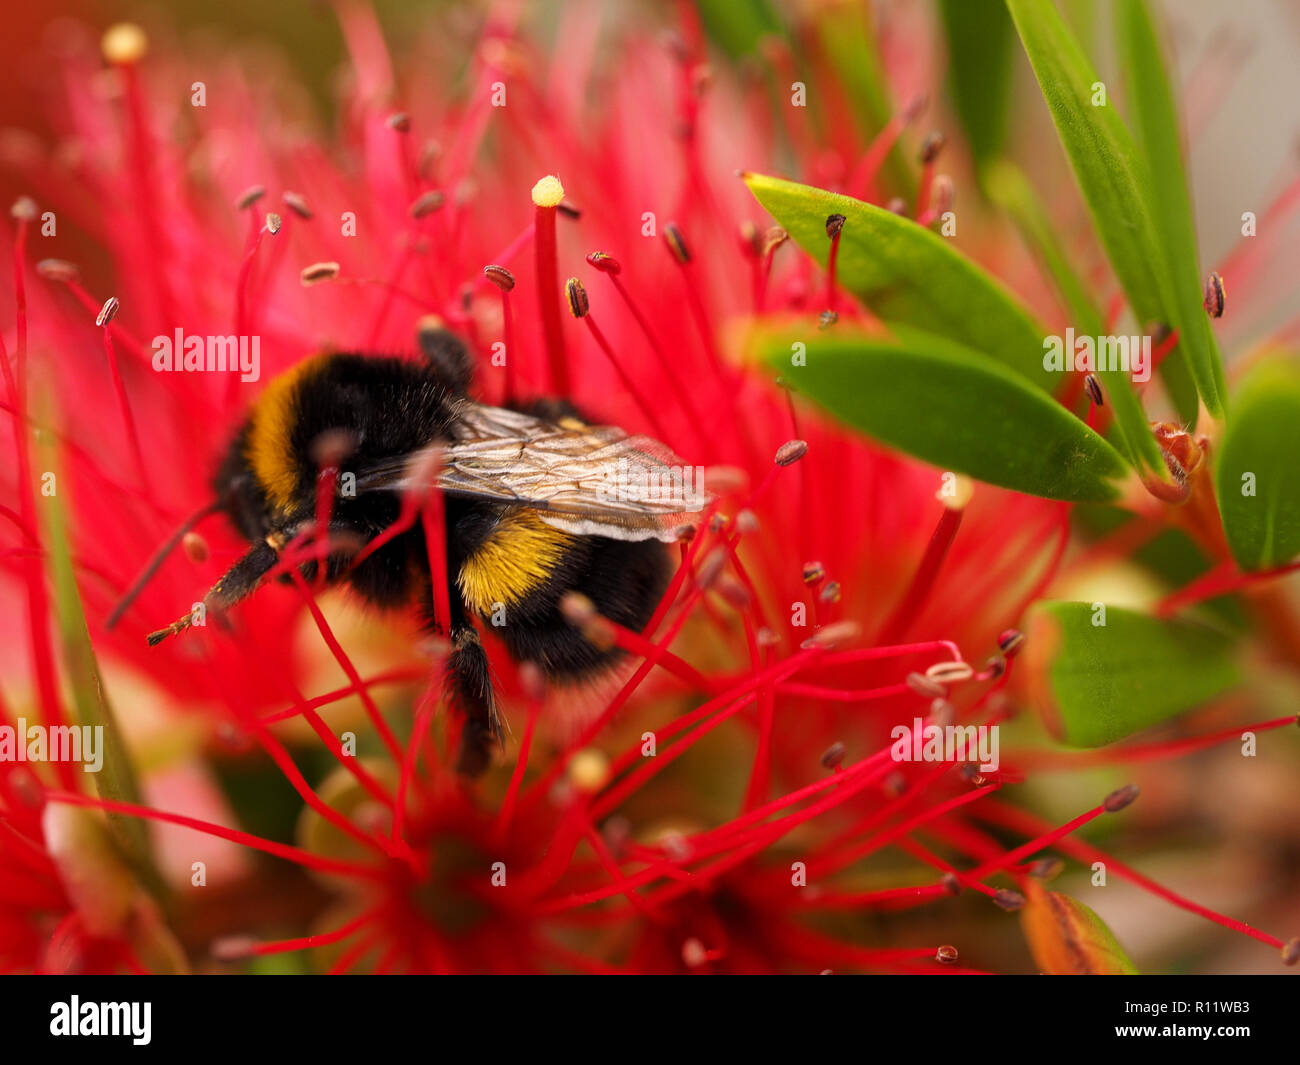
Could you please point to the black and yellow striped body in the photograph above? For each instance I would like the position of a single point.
(505, 564)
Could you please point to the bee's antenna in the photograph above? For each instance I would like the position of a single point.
(146, 575)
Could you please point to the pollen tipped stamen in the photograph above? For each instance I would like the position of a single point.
(547, 196)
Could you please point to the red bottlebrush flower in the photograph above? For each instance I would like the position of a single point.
(709, 806)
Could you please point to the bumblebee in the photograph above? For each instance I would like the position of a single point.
(530, 502)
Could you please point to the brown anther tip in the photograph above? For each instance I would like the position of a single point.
(932, 146)
(676, 243)
(273, 222)
(747, 522)
(24, 209)
(923, 685)
(332, 447)
(1093, 387)
(249, 197)
(233, 948)
(813, 573)
(318, 272)
(194, 546)
(894, 785)
(532, 680)
(1009, 900)
(576, 293)
(569, 209)
(951, 884)
(735, 593)
(995, 666)
(296, 204)
(1291, 951)
(1215, 295)
(155, 638)
(943, 194)
(725, 480)
(108, 312)
(791, 452)
(711, 567)
(827, 319)
(773, 239)
(970, 772)
(718, 522)
(834, 224)
(1120, 797)
(499, 276)
(577, 609)
(57, 270)
(1047, 868)
(833, 756)
(1010, 641)
(605, 263)
(684, 533)
(830, 592)
(950, 672)
(947, 954)
(897, 206)
(834, 635)
(399, 121)
(426, 203)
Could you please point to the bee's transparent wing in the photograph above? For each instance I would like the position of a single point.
(587, 480)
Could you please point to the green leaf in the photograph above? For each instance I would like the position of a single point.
(1007, 186)
(1156, 124)
(911, 277)
(1094, 683)
(1113, 177)
(1067, 939)
(116, 778)
(953, 408)
(1257, 475)
(907, 274)
(980, 39)
(737, 26)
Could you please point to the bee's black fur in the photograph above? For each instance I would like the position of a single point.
(375, 409)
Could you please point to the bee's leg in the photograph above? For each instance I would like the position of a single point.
(469, 682)
(447, 354)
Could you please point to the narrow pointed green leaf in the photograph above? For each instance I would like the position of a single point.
(1257, 469)
(953, 408)
(1008, 187)
(980, 41)
(909, 275)
(1098, 673)
(116, 778)
(1156, 128)
(1111, 172)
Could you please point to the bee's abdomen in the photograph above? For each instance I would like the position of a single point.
(625, 580)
